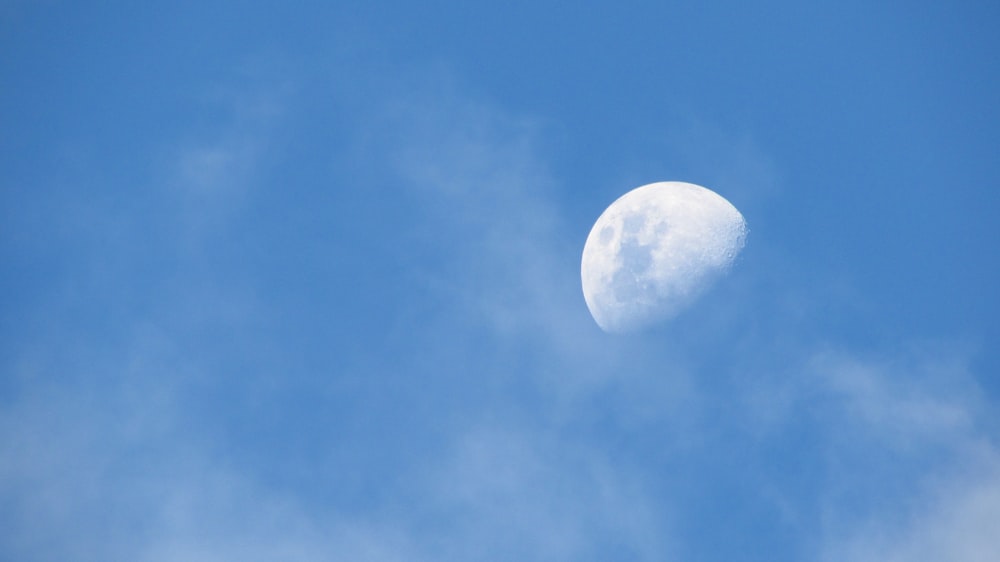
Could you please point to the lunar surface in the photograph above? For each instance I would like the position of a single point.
(655, 250)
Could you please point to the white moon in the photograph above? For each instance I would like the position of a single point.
(654, 250)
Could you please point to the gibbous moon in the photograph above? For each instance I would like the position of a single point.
(655, 250)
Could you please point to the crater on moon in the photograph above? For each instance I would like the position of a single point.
(655, 250)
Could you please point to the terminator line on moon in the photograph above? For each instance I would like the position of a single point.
(655, 250)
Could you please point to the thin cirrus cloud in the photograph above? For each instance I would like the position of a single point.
(916, 403)
(924, 409)
(496, 422)
(124, 462)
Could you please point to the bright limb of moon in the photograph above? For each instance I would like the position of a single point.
(655, 250)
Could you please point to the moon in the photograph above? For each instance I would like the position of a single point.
(655, 250)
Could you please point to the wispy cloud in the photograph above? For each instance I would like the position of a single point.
(924, 399)
(211, 175)
(494, 419)
(924, 408)
(511, 492)
(126, 459)
(954, 519)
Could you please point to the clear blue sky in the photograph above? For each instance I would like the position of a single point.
(300, 281)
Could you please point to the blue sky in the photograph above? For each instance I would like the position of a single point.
(301, 282)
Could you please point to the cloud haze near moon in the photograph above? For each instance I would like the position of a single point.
(655, 250)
